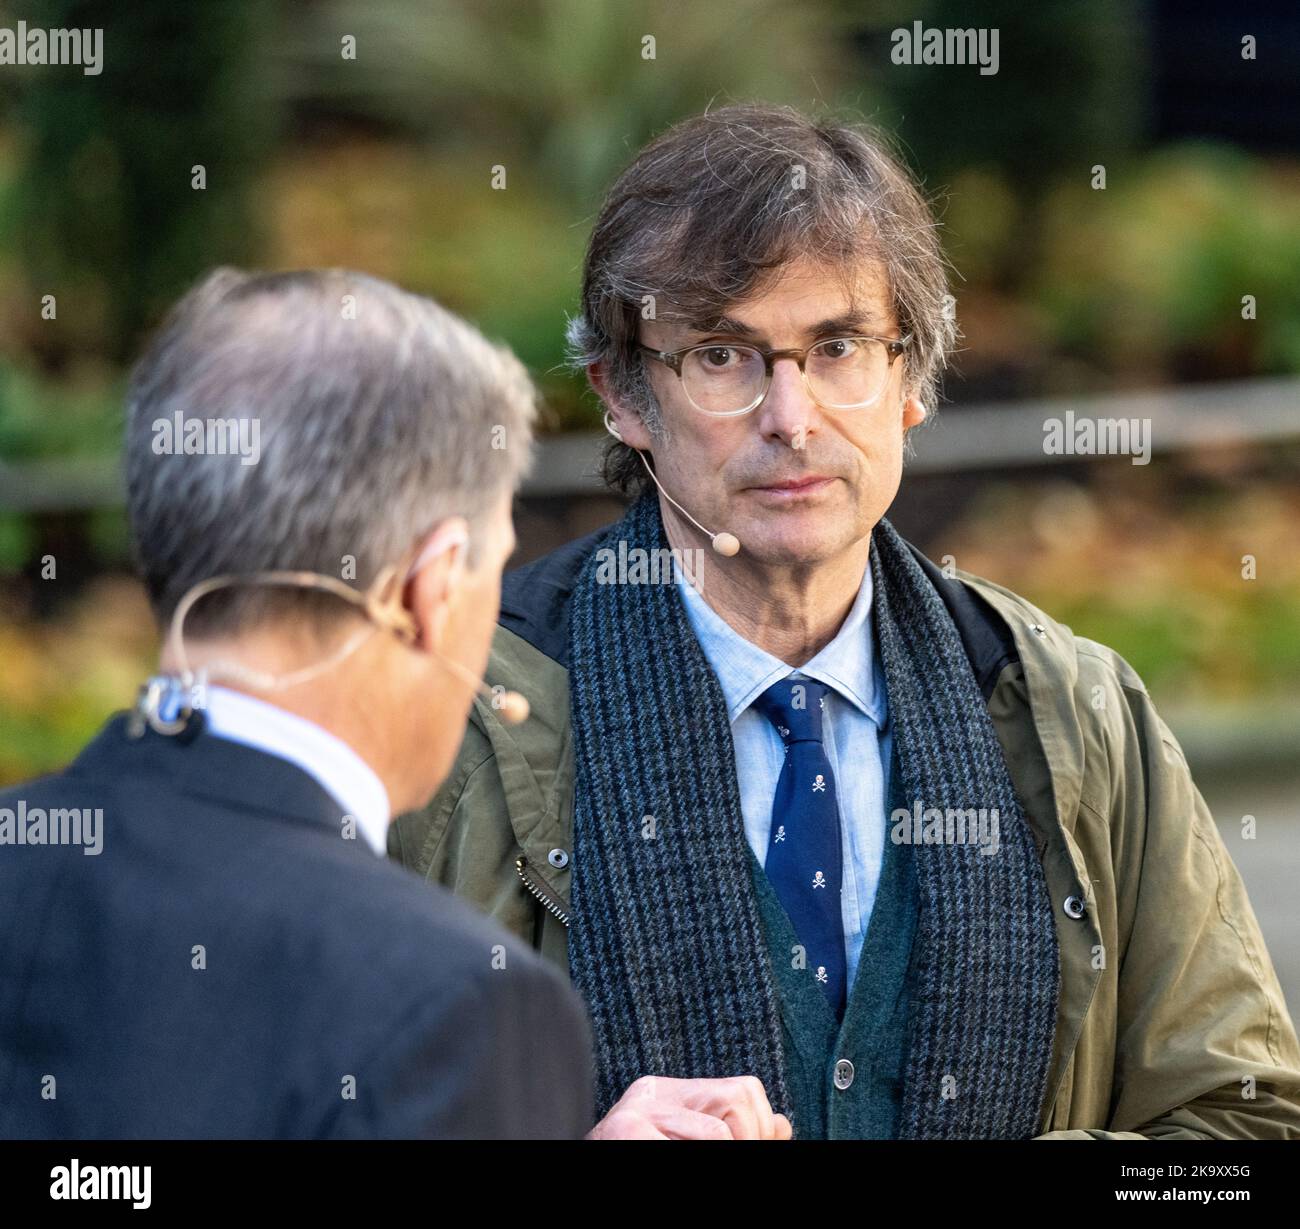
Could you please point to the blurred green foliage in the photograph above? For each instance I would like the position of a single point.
(1159, 269)
(366, 136)
(105, 200)
(561, 91)
(384, 161)
(1069, 89)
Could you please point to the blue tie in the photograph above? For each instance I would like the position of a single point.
(803, 850)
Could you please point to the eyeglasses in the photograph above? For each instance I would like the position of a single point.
(727, 379)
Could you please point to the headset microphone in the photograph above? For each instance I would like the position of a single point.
(723, 543)
(511, 706)
(382, 605)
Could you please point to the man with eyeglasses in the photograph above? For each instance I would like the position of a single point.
(832, 842)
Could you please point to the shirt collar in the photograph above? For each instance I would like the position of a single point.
(847, 664)
(356, 787)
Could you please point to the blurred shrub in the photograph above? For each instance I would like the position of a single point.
(109, 219)
(1151, 565)
(1147, 277)
(40, 417)
(559, 91)
(64, 676)
(506, 260)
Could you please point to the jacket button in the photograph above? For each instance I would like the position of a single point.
(1074, 907)
(1038, 629)
(843, 1074)
(558, 859)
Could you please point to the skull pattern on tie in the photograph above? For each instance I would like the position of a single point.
(804, 851)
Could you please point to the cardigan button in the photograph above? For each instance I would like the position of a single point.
(1074, 907)
(843, 1074)
(558, 859)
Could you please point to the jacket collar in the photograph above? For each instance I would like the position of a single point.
(198, 764)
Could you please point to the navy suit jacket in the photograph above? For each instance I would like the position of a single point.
(231, 966)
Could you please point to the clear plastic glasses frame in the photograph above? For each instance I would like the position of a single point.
(676, 359)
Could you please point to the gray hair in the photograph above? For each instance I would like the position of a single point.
(715, 206)
(378, 413)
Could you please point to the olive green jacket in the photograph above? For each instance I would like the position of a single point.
(1171, 1023)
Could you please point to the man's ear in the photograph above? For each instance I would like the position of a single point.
(439, 566)
(631, 429)
(913, 413)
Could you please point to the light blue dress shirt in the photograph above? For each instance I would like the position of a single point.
(855, 729)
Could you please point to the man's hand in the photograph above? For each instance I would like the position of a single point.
(656, 1107)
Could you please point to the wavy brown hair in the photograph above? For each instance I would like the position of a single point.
(718, 204)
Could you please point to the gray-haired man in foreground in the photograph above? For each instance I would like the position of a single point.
(320, 472)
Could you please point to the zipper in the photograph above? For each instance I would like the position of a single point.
(521, 865)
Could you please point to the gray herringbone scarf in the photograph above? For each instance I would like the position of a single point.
(666, 943)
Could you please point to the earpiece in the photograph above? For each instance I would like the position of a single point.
(726, 544)
(382, 605)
